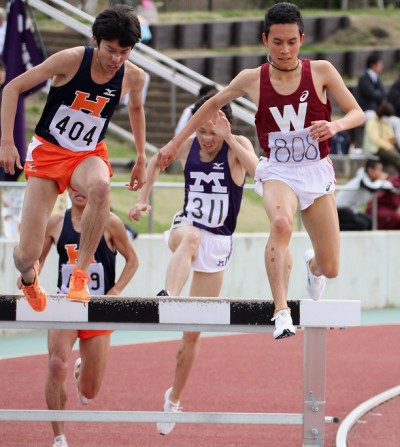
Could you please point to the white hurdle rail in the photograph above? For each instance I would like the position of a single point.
(250, 315)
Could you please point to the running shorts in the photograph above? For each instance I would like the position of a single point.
(215, 249)
(85, 334)
(308, 182)
(49, 161)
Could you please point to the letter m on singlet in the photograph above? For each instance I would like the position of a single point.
(290, 117)
(81, 102)
(213, 178)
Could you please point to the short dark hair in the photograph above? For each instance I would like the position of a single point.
(205, 89)
(373, 59)
(372, 163)
(282, 13)
(385, 108)
(227, 109)
(118, 22)
(2, 64)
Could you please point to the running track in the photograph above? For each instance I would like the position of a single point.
(249, 373)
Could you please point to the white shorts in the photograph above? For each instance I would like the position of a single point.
(308, 182)
(215, 249)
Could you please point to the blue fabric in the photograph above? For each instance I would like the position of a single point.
(146, 33)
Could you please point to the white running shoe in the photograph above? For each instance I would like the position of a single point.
(283, 325)
(82, 399)
(60, 441)
(165, 428)
(315, 284)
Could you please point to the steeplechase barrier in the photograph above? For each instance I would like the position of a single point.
(193, 314)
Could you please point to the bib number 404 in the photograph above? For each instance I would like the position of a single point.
(76, 130)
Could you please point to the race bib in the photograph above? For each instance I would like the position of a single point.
(210, 210)
(76, 130)
(293, 148)
(96, 273)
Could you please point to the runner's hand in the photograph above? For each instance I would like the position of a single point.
(167, 155)
(9, 158)
(138, 177)
(323, 130)
(135, 213)
(221, 126)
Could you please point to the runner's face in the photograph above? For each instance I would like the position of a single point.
(209, 141)
(111, 55)
(77, 198)
(284, 42)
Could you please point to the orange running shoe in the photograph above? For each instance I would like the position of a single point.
(34, 294)
(78, 289)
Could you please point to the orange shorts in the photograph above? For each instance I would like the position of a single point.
(84, 334)
(46, 160)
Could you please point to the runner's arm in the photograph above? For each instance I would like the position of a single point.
(135, 80)
(153, 170)
(328, 77)
(235, 89)
(120, 240)
(58, 65)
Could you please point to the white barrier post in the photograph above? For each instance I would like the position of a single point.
(314, 369)
(193, 314)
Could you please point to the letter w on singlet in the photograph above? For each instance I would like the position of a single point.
(290, 117)
(93, 107)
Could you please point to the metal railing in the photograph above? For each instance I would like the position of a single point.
(178, 185)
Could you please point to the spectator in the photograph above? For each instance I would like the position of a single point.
(11, 211)
(341, 143)
(146, 37)
(379, 136)
(394, 99)
(123, 103)
(145, 30)
(371, 91)
(388, 206)
(361, 188)
(394, 96)
(204, 90)
(148, 10)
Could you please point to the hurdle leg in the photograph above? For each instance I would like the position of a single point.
(314, 369)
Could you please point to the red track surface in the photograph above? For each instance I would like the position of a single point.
(239, 373)
(380, 425)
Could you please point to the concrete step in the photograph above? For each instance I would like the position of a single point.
(55, 41)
